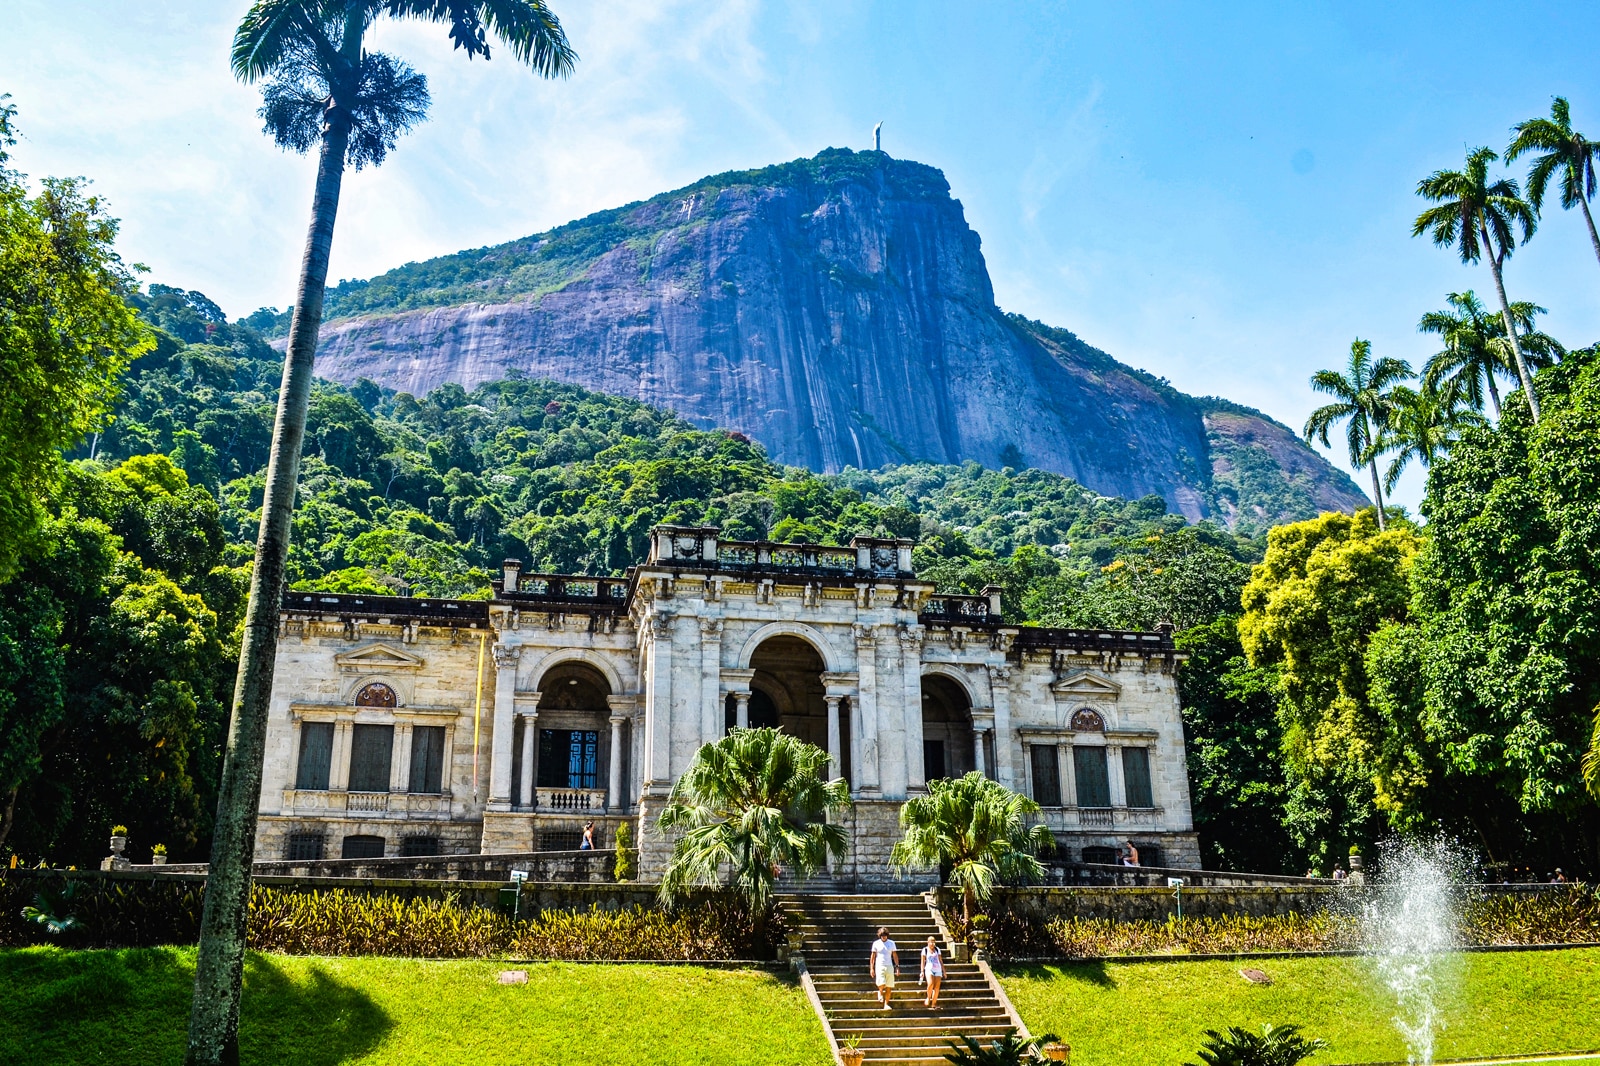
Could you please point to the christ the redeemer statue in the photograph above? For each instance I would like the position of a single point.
(877, 137)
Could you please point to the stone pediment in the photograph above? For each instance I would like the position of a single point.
(377, 659)
(1086, 685)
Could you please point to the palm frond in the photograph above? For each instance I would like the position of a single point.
(527, 27)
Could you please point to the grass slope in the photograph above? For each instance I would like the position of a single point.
(132, 1007)
(1512, 1003)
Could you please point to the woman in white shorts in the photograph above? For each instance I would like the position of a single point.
(932, 973)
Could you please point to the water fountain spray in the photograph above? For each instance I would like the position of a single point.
(1411, 931)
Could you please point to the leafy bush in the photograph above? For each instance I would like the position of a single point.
(627, 867)
(1012, 1049)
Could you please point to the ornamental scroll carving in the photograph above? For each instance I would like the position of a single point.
(506, 657)
(1085, 720)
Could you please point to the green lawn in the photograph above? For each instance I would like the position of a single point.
(1507, 1003)
(132, 1007)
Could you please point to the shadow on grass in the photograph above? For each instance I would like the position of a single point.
(132, 1006)
(1088, 971)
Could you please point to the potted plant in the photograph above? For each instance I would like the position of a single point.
(119, 839)
(850, 1052)
(158, 855)
(1056, 1051)
(1355, 856)
(979, 933)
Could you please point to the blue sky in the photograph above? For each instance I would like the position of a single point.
(1221, 194)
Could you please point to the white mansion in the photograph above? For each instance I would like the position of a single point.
(407, 726)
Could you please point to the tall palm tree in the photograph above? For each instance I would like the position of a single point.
(1564, 151)
(323, 88)
(1468, 363)
(1478, 217)
(976, 827)
(1422, 423)
(1476, 351)
(753, 803)
(1363, 398)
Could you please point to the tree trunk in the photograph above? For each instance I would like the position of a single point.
(1523, 373)
(1494, 391)
(1377, 491)
(11, 812)
(219, 966)
(1594, 238)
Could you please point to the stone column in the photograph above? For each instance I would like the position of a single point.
(506, 658)
(658, 707)
(530, 757)
(1119, 788)
(911, 675)
(981, 724)
(401, 767)
(835, 749)
(614, 798)
(1000, 697)
(741, 710)
(339, 758)
(865, 708)
(711, 712)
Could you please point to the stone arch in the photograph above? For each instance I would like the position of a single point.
(559, 656)
(396, 689)
(960, 676)
(831, 662)
(947, 724)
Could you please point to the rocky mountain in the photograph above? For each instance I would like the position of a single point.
(837, 309)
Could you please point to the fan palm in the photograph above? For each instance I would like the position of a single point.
(1008, 1049)
(1363, 400)
(753, 803)
(1277, 1045)
(1561, 151)
(1479, 218)
(324, 89)
(1422, 423)
(976, 827)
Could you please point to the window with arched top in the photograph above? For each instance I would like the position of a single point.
(1086, 720)
(376, 694)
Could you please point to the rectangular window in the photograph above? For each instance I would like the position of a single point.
(933, 767)
(371, 750)
(427, 759)
(1136, 775)
(305, 846)
(1089, 771)
(362, 847)
(420, 845)
(568, 758)
(316, 755)
(1046, 775)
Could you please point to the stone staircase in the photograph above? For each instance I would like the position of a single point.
(838, 933)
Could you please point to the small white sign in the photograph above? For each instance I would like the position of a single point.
(1174, 882)
(518, 876)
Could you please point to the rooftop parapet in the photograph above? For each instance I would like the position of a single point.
(341, 606)
(701, 548)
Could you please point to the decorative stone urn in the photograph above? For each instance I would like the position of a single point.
(1058, 1052)
(158, 859)
(851, 1056)
(979, 939)
(116, 861)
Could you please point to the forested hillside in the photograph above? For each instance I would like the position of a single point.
(427, 495)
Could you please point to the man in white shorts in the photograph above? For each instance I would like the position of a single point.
(883, 964)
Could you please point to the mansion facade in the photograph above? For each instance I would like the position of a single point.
(404, 726)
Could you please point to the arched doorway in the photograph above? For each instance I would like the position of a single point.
(787, 693)
(946, 729)
(572, 745)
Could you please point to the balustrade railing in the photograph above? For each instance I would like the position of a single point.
(570, 799)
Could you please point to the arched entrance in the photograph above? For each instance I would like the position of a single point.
(572, 745)
(787, 693)
(946, 728)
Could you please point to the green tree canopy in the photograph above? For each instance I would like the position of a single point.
(66, 333)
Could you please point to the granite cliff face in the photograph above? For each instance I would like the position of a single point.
(839, 311)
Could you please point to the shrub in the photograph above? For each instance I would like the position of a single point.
(627, 859)
(1278, 1045)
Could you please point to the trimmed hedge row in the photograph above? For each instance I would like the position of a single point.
(110, 913)
(1569, 915)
